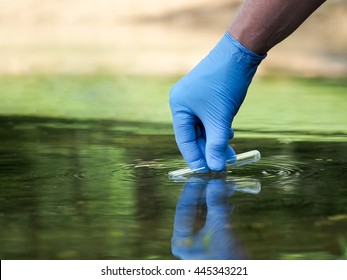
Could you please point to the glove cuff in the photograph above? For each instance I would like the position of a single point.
(251, 56)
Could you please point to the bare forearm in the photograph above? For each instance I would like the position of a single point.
(261, 24)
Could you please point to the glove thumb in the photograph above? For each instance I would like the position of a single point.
(217, 149)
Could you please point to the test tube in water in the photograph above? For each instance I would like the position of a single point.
(236, 161)
(243, 159)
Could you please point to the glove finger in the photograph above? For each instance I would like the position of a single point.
(201, 137)
(231, 133)
(230, 153)
(188, 139)
(217, 150)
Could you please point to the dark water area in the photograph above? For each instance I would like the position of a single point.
(100, 190)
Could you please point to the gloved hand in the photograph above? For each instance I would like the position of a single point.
(205, 101)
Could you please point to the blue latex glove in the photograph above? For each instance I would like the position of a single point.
(205, 101)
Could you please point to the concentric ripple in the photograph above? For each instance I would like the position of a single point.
(279, 168)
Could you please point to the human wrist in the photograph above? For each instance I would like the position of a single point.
(257, 56)
(249, 40)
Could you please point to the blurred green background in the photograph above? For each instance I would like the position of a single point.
(118, 59)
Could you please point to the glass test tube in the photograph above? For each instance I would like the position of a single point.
(243, 159)
(236, 161)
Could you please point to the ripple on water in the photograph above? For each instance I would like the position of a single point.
(267, 168)
(282, 169)
(102, 171)
(140, 168)
(123, 171)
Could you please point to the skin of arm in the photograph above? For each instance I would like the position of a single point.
(261, 24)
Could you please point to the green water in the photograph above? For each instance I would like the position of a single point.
(85, 177)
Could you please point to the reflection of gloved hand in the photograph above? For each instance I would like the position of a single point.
(215, 239)
(205, 101)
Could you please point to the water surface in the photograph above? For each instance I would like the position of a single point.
(100, 190)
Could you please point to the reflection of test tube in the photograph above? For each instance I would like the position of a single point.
(236, 161)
